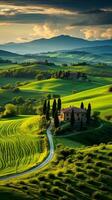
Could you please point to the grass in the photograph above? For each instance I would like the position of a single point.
(92, 92)
(99, 98)
(20, 144)
(97, 135)
(59, 86)
(74, 174)
(12, 81)
(8, 66)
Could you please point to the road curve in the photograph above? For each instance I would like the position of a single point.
(44, 163)
(80, 132)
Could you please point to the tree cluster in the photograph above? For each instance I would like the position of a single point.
(54, 111)
(70, 75)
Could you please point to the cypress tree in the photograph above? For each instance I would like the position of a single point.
(72, 120)
(44, 107)
(82, 106)
(54, 108)
(48, 105)
(59, 104)
(56, 119)
(81, 124)
(89, 113)
(47, 115)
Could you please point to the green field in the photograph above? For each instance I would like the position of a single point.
(20, 144)
(100, 99)
(89, 92)
(59, 86)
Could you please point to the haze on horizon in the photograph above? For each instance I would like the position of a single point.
(26, 20)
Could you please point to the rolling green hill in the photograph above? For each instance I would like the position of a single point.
(100, 99)
(58, 86)
(20, 144)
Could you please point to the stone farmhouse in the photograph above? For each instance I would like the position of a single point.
(79, 115)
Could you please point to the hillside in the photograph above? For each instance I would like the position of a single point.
(20, 144)
(61, 42)
(97, 50)
(73, 174)
(99, 96)
(88, 55)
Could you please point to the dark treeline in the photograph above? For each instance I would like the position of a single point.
(69, 75)
(33, 72)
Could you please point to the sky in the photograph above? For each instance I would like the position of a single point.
(26, 20)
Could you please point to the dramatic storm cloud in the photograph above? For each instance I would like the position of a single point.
(30, 19)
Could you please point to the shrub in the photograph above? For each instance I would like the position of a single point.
(42, 192)
(57, 182)
(91, 172)
(55, 190)
(69, 188)
(60, 173)
(80, 185)
(42, 178)
(97, 195)
(25, 188)
(80, 175)
(66, 180)
(99, 164)
(34, 181)
(10, 110)
(102, 170)
(109, 154)
(110, 89)
(15, 90)
(51, 176)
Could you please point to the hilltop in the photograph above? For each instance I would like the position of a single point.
(61, 42)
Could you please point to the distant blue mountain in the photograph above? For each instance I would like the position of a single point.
(62, 42)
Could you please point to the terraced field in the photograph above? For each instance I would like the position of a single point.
(21, 147)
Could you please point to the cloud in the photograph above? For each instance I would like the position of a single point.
(5, 24)
(69, 11)
(22, 39)
(13, 10)
(107, 34)
(45, 30)
(79, 5)
(97, 33)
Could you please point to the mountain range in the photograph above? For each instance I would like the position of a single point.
(62, 42)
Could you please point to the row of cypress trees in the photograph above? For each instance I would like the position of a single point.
(56, 107)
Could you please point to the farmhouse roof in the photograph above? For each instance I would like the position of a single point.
(77, 110)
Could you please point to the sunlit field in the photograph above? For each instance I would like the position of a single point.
(20, 144)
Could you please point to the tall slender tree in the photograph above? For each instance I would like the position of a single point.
(48, 110)
(82, 105)
(81, 124)
(89, 113)
(56, 119)
(72, 120)
(54, 108)
(47, 115)
(44, 107)
(59, 104)
(48, 105)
